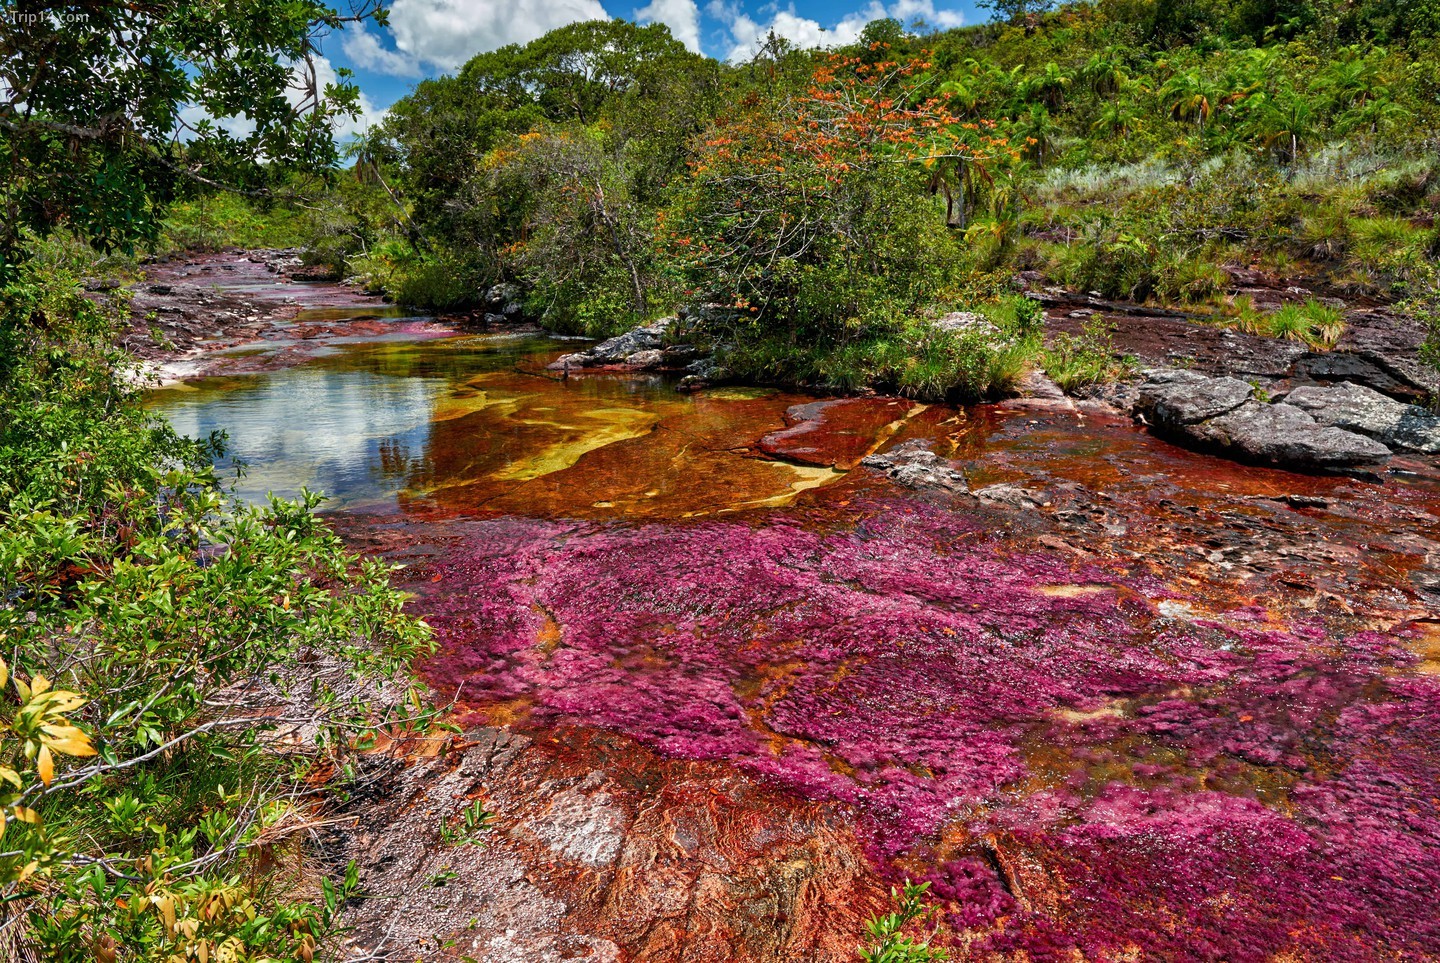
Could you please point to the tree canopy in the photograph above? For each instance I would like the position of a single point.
(109, 110)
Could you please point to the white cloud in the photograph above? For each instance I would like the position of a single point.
(345, 127)
(446, 33)
(365, 50)
(748, 35)
(242, 126)
(681, 16)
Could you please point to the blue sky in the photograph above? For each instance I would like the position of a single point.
(427, 38)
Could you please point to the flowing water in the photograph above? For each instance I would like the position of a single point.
(1179, 709)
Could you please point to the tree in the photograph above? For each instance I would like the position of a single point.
(807, 214)
(1284, 122)
(649, 93)
(101, 108)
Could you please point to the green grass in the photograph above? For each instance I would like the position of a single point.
(220, 220)
(1314, 324)
(1089, 358)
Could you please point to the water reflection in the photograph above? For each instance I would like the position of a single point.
(476, 425)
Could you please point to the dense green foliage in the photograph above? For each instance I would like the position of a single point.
(181, 677)
(825, 206)
(183, 668)
(99, 129)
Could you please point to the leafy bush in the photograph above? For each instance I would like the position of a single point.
(184, 671)
(888, 940)
(218, 220)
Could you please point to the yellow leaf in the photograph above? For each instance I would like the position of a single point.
(46, 765)
(4, 673)
(70, 740)
(27, 815)
(10, 776)
(58, 701)
(3, 821)
(39, 684)
(29, 869)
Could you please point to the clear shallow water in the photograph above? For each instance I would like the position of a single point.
(476, 424)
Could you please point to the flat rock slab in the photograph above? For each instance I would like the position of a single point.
(1282, 434)
(837, 433)
(599, 850)
(1170, 341)
(1366, 411)
(1188, 397)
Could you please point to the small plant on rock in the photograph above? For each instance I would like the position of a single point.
(888, 941)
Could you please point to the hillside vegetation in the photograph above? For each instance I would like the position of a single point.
(830, 202)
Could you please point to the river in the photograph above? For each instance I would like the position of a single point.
(722, 684)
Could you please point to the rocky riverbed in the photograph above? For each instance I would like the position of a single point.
(728, 665)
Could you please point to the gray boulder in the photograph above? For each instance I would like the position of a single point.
(1224, 414)
(619, 349)
(1015, 496)
(1360, 409)
(499, 295)
(913, 465)
(1285, 435)
(649, 358)
(1177, 398)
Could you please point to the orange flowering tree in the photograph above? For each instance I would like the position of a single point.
(820, 214)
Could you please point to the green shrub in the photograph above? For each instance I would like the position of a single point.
(889, 942)
(1316, 324)
(218, 220)
(159, 643)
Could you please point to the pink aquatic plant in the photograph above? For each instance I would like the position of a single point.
(1221, 789)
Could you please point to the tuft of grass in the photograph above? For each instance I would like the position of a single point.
(1317, 325)
(1326, 234)
(1192, 280)
(1078, 361)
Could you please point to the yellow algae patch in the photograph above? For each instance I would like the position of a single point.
(463, 403)
(888, 431)
(1426, 646)
(1070, 591)
(1075, 715)
(603, 426)
(736, 394)
(807, 477)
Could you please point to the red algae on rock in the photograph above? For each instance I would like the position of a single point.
(1212, 789)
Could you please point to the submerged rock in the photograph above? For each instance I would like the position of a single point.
(838, 432)
(1360, 409)
(1224, 414)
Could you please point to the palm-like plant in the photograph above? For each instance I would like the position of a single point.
(1104, 72)
(1038, 132)
(1284, 122)
(1048, 86)
(1352, 81)
(1191, 97)
(1117, 117)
